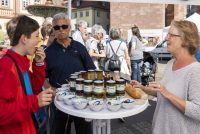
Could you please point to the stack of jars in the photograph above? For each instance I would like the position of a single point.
(97, 84)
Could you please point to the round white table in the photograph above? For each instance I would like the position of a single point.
(101, 119)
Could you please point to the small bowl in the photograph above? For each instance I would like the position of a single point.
(61, 89)
(80, 103)
(113, 105)
(68, 99)
(96, 105)
(66, 86)
(127, 103)
(60, 95)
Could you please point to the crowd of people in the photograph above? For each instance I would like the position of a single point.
(29, 85)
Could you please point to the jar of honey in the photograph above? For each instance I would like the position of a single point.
(87, 88)
(110, 89)
(98, 89)
(91, 75)
(120, 87)
(83, 74)
(72, 82)
(79, 86)
(99, 74)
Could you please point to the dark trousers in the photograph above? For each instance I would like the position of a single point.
(60, 123)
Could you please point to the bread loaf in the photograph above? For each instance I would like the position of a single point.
(133, 92)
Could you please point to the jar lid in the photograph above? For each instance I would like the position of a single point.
(77, 73)
(120, 81)
(98, 70)
(87, 81)
(83, 71)
(110, 82)
(79, 79)
(73, 74)
(74, 77)
(90, 70)
(98, 82)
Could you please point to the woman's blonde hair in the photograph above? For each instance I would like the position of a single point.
(189, 33)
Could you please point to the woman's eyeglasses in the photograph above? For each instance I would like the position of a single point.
(57, 27)
(173, 35)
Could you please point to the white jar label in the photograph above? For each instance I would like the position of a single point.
(79, 87)
(111, 89)
(72, 83)
(87, 88)
(120, 87)
(98, 89)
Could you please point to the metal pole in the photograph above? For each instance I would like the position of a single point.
(69, 9)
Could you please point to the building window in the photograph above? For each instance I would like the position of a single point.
(5, 3)
(108, 15)
(75, 15)
(37, 1)
(98, 14)
(25, 3)
(81, 14)
(87, 13)
(104, 4)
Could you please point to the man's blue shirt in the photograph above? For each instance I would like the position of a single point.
(62, 62)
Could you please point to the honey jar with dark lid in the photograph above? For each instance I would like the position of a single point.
(87, 88)
(98, 89)
(120, 87)
(79, 86)
(110, 89)
(72, 82)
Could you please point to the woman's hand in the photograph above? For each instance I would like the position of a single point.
(45, 97)
(136, 84)
(147, 89)
(156, 86)
(39, 55)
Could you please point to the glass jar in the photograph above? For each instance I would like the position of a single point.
(83, 74)
(91, 75)
(98, 89)
(72, 82)
(78, 74)
(120, 87)
(87, 88)
(79, 86)
(99, 74)
(110, 89)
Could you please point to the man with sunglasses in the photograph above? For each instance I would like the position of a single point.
(81, 30)
(64, 57)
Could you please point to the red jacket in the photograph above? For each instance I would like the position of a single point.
(15, 106)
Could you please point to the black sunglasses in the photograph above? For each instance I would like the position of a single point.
(57, 27)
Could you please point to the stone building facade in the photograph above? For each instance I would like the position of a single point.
(145, 16)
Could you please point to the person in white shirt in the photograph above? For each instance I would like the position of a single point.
(81, 29)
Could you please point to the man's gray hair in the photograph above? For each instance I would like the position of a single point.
(82, 23)
(60, 16)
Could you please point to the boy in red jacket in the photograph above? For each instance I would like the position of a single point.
(18, 101)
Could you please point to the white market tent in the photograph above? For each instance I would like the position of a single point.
(195, 17)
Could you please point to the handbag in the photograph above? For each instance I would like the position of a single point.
(114, 63)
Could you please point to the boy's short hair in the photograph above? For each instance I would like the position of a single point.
(20, 25)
